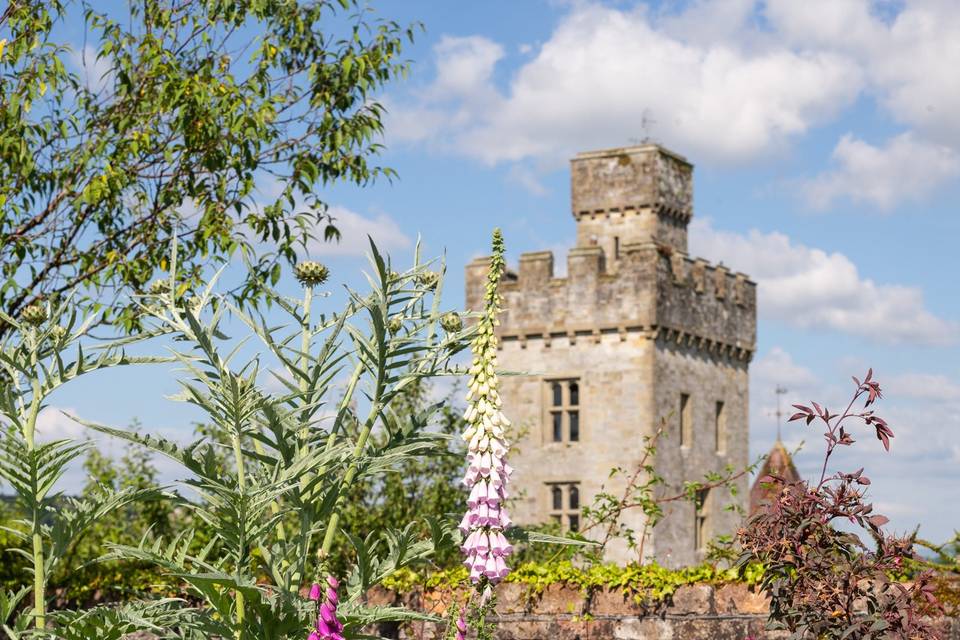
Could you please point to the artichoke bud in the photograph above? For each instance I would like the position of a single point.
(58, 333)
(311, 274)
(428, 279)
(35, 314)
(451, 322)
(395, 323)
(159, 287)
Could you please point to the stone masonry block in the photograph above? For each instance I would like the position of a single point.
(692, 600)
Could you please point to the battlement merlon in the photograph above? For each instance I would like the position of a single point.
(629, 195)
(655, 288)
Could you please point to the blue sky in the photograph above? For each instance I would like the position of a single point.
(827, 154)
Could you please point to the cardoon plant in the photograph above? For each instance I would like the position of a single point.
(296, 452)
(43, 350)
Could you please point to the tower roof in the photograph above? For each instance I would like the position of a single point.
(636, 149)
(778, 463)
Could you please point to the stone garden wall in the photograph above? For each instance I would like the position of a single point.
(698, 612)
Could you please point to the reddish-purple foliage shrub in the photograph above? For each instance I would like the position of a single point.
(824, 582)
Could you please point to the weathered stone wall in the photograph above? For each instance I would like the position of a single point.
(698, 612)
(616, 390)
(707, 379)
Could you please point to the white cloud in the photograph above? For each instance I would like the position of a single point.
(464, 66)
(601, 68)
(910, 60)
(53, 424)
(813, 289)
(925, 386)
(777, 367)
(354, 229)
(904, 169)
(96, 73)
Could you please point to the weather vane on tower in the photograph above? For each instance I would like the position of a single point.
(780, 391)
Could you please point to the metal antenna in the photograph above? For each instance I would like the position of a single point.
(780, 391)
(646, 123)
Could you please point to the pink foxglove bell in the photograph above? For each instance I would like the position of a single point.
(484, 547)
(328, 626)
(462, 626)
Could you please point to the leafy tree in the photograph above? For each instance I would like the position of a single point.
(166, 122)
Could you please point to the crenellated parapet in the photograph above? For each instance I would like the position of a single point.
(657, 291)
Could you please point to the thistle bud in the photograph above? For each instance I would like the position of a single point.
(159, 287)
(311, 274)
(428, 279)
(395, 323)
(58, 333)
(451, 322)
(35, 314)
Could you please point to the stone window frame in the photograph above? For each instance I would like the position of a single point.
(686, 420)
(570, 495)
(720, 431)
(571, 404)
(702, 519)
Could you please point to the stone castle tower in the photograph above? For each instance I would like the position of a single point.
(636, 332)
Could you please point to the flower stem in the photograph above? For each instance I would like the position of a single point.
(242, 482)
(304, 350)
(39, 568)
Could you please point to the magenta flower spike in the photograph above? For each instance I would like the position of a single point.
(328, 626)
(461, 626)
(484, 546)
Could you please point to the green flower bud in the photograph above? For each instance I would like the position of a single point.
(451, 322)
(58, 333)
(35, 314)
(395, 323)
(428, 279)
(311, 274)
(159, 287)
